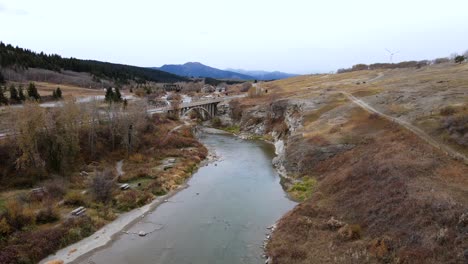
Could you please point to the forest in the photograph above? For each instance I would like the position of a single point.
(19, 58)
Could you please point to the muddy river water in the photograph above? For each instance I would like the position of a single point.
(222, 217)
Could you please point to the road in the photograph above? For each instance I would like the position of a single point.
(417, 131)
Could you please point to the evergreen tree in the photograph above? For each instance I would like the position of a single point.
(109, 95)
(13, 93)
(21, 93)
(117, 95)
(58, 93)
(2, 79)
(459, 59)
(3, 99)
(32, 92)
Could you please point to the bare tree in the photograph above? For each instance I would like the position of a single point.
(131, 124)
(176, 101)
(28, 126)
(102, 185)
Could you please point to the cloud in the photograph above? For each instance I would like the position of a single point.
(16, 12)
(19, 12)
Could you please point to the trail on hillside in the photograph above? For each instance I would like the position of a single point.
(417, 131)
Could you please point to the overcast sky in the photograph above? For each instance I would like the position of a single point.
(298, 36)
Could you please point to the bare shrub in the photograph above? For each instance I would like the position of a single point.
(56, 188)
(102, 186)
(17, 216)
(254, 92)
(350, 232)
(74, 199)
(245, 87)
(236, 109)
(49, 214)
(448, 110)
(132, 199)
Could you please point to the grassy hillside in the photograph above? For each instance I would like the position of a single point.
(372, 190)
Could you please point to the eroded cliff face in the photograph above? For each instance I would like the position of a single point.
(277, 122)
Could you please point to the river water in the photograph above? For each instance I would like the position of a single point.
(221, 218)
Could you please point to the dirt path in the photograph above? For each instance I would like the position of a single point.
(380, 75)
(417, 131)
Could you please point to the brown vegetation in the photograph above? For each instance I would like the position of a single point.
(393, 197)
(70, 153)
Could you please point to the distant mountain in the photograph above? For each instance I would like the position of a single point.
(197, 69)
(264, 75)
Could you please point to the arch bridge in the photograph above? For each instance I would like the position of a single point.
(207, 109)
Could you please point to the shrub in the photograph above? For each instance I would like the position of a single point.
(56, 188)
(448, 110)
(236, 110)
(37, 245)
(75, 198)
(304, 189)
(246, 87)
(102, 186)
(8, 255)
(232, 129)
(17, 216)
(131, 199)
(77, 229)
(137, 158)
(350, 232)
(127, 200)
(47, 215)
(216, 122)
(5, 228)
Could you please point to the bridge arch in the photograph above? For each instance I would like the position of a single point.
(198, 109)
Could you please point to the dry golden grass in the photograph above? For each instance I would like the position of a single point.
(377, 188)
(67, 90)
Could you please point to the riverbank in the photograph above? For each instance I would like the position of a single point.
(108, 233)
(118, 227)
(229, 204)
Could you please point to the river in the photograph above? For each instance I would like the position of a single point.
(222, 217)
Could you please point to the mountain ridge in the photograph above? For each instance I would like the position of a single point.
(197, 69)
(264, 75)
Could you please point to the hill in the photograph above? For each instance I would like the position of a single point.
(376, 158)
(196, 69)
(19, 58)
(264, 75)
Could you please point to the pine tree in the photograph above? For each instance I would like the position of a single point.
(117, 95)
(32, 92)
(13, 93)
(21, 93)
(125, 103)
(109, 95)
(58, 93)
(3, 99)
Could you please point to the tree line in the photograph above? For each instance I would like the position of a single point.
(58, 140)
(19, 58)
(405, 64)
(17, 95)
